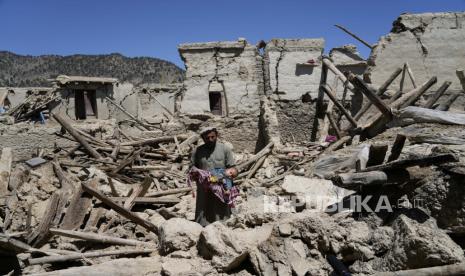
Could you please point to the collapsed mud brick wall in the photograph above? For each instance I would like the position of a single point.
(431, 43)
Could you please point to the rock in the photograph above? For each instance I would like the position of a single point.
(418, 244)
(191, 267)
(228, 248)
(178, 234)
(285, 229)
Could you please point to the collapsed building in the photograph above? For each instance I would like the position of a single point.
(108, 167)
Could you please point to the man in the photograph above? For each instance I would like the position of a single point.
(211, 155)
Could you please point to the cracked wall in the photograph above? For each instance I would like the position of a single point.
(235, 65)
(432, 44)
(294, 67)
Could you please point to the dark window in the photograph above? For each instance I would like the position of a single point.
(85, 104)
(215, 103)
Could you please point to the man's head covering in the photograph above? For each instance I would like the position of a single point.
(206, 130)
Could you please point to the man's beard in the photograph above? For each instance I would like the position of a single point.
(210, 144)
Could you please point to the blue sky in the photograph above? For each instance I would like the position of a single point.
(154, 28)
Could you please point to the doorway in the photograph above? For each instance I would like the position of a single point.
(85, 104)
(216, 105)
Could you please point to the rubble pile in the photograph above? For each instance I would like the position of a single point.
(377, 191)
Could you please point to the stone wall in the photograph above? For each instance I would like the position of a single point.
(432, 44)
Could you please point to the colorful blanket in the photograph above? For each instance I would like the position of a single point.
(202, 177)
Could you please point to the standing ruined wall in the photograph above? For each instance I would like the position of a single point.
(294, 67)
(233, 71)
(232, 68)
(432, 44)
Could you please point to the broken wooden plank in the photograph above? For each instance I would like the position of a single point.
(319, 112)
(354, 36)
(6, 162)
(338, 144)
(139, 191)
(154, 141)
(333, 98)
(120, 209)
(78, 208)
(378, 123)
(253, 159)
(381, 90)
(128, 160)
(98, 238)
(255, 167)
(447, 104)
(333, 124)
(376, 155)
(71, 130)
(413, 114)
(41, 233)
(419, 161)
(77, 256)
(372, 97)
(397, 147)
(444, 270)
(434, 98)
(147, 200)
(169, 192)
(371, 178)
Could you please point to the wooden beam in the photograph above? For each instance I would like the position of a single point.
(354, 36)
(139, 191)
(98, 238)
(6, 162)
(339, 74)
(434, 98)
(120, 209)
(381, 90)
(147, 200)
(410, 74)
(413, 114)
(41, 233)
(253, 159)
(444, 270)
(447, 104)
(397, 147)
(77, 256)
(78, 208)
(419, 161)
(372, 97)
(376, 155)
(154, 141)
(333, 98)
(71, 130)
(169, 192)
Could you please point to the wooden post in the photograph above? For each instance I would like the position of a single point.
(382, 89)
(120, 209)
(319, 113)
(397, 147)
(154, 141)
(360, 84)
(71, 130)
(420, 161)
(333, 98)
(410, 74)
(78, 208)
(5, 170)
(339, 74)
(431, 101)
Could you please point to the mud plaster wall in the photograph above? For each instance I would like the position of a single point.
(234, 65)
(121, 93)
(289, 75)
(432, 44)
(150, 108)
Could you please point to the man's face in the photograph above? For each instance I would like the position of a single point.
(210, 138)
